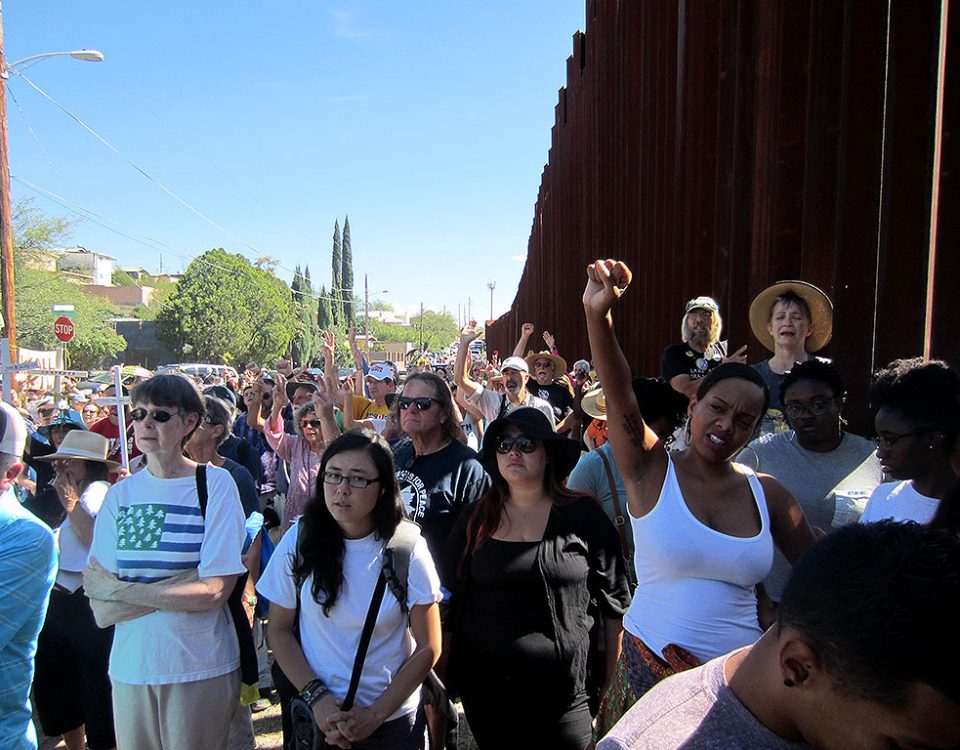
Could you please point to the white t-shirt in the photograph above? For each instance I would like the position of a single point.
(149, 529)
(899, 501)
(73, 552)
(330, 643)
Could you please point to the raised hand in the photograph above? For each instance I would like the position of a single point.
(280, 395)
(740, 355)
(607, 280)
(351, 334)
(469, 332)
(329, 341)
(549, 340)
(526, 330)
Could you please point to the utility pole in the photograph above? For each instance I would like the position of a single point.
(491, 285)
(421, 329)
(6, 228)
(469, 309)
(366, 313)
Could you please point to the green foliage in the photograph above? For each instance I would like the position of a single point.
(439, 330)
(347, 277)
(307, 344)
(37, 291)
(336, 262)
(228, 310)
(324, 311)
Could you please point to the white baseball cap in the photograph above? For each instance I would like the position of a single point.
(514, 363)
(381, 371)
(13, 431)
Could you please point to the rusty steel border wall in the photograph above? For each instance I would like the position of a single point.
(719, 146)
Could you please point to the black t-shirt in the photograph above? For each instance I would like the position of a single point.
(681, 359)
(437, 486)
(241, 451)
(556, 394)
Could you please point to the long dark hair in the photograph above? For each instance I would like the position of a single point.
(321, 541)
(489, 512)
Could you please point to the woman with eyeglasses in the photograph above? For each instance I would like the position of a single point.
(830, 471)
(917, 420)
(522, 565)
(162, 569)
(320, 582)
(315, 426)
(438, 475)
(704, 527)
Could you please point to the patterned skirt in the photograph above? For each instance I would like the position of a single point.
(638, 669)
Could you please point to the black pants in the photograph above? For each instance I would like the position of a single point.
(71, 686)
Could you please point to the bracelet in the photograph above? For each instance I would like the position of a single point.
(250, 600)
(313, 691)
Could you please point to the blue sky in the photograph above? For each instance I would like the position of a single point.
(428, 122)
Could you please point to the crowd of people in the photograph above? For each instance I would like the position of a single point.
(582, 557)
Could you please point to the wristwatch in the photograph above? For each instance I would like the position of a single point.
(313, 692)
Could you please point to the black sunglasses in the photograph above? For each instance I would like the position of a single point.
(422, 402)
(157, 415)
(522, 443)
(314, 423)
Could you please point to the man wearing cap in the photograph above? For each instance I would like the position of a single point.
(28, 567)
(682, 365)
(792, 319)
(546, 371)
(380, 380)
(514, 372)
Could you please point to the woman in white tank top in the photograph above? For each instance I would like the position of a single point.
(704, 527)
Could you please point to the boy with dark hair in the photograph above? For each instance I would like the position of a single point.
(864, 655)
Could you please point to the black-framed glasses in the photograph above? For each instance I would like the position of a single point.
(314, 423)
(816, 408)
(358, 483)
(157, 415)
(886, 441)
(421, 402)
(523, 443)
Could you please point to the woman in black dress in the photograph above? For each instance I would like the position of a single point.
(522, 565)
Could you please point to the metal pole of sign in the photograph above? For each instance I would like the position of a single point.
(61, 363)
(7, 375)
(121, 417)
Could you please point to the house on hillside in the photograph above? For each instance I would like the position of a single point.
(85, 265)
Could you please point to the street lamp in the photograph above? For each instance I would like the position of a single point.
(8, 302)
(491, 285)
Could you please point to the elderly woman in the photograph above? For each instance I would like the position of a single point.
(71, 686)
(793, 319)
(165, 564)
(522, 564)
(315, 426)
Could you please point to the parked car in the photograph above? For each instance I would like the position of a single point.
(200, 370)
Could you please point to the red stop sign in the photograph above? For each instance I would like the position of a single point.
(64, 329)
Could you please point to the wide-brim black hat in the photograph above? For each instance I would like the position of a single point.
(292, 386)
(562, 451)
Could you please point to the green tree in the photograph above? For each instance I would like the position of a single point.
(228, 310)
(439, 330)
(347, 276)
(36, 291)
(336, 304)
(324, 311)
(306, 342)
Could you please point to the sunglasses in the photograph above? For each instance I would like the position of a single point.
(422, 402)
(522, 443)
(314, 423)
(157, 415)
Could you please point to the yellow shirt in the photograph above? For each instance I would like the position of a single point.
(364, 408)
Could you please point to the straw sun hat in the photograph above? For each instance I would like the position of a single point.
(819, 304)
(83, 446)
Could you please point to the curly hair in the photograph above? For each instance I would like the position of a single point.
(321, 541)
(924, 392)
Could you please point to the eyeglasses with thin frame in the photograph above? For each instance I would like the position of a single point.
(523, 443)
(816, 408)
(887, 441)
(421, 402)
(157, 415)
(358, 483)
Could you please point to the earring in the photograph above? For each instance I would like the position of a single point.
(789, 683)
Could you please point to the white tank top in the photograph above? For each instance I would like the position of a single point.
(696, 585)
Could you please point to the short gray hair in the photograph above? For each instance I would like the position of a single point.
(299, 414)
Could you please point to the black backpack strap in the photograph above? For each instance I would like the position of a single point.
(365, 636)
(396, 559)
(503, 405)
(202, 489)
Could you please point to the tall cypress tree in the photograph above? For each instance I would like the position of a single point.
(324, 310)
(347, 274)
(337, 263)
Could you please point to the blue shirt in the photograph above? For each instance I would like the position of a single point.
(28, 567)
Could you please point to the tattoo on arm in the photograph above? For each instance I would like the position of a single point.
(635, 430)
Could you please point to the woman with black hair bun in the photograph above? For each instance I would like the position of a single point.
(335, 555)
(917, 420)
(704, 527)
